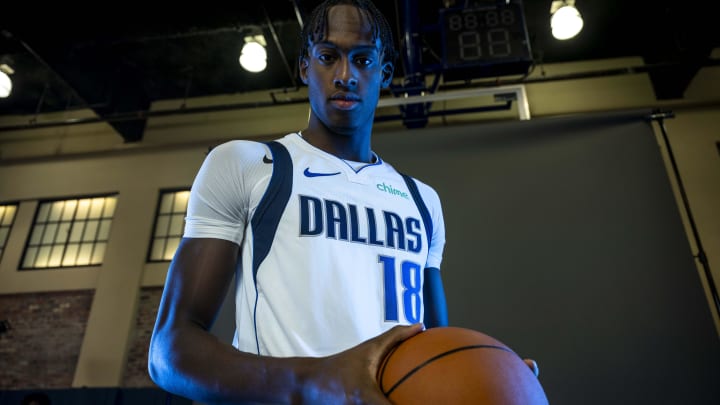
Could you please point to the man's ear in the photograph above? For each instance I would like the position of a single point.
(387, 74)
(303, 64)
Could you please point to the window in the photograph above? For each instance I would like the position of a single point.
(7, 217)
(169, 225)
(70, 233)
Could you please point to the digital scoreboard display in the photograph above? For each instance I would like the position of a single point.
(485, 41)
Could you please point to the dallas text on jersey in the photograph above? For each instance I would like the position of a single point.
(338, 221)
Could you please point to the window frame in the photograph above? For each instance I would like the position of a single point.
(151, 252)
(63, 223)
(9, 227)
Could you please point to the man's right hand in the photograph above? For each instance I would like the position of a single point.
(350, 377)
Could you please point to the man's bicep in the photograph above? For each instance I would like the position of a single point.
(198, 280)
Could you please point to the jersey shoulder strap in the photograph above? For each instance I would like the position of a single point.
(424, 213)
(267, 215)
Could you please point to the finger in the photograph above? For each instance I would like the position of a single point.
(533, 366)
(388, 340)
(399, 333)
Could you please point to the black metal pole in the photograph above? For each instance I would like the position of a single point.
(700, 256)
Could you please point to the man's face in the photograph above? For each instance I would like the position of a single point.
(345, 73)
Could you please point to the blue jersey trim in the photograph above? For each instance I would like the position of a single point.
(267, 215)
(424, 213)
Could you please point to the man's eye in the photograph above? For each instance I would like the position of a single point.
(326, 57)
(363, 61)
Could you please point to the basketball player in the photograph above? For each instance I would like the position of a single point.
(336, 254)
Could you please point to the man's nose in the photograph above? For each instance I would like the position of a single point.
(345, 75)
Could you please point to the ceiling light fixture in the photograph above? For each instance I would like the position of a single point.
(5, 81)
(253, 56)
(566, 21)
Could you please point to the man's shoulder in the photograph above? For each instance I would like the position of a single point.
(237, 145)
(242, 146)
(240, 150)
(427, 191)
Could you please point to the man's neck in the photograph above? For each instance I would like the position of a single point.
(355, 147)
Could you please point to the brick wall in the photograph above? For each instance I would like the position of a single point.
(136, 374)
(42, 346)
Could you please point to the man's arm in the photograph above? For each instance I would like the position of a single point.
(186, 359)
(436, 313)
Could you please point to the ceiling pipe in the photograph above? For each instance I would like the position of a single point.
(192, 33)
(298, 14)
(33, 124)
(136, 115)
(46, 65)
(281, 50)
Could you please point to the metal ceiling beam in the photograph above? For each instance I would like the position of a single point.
(280, 48)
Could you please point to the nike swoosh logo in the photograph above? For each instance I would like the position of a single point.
(308, 173)
(267, 159)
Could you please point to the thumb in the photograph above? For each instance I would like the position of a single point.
(399, 333)
(387, 341)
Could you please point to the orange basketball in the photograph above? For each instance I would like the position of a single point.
(453, 365)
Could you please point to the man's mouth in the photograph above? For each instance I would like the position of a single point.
(344, 102)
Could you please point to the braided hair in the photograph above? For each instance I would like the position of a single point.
(315, 29)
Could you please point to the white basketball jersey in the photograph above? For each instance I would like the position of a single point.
(337, 259)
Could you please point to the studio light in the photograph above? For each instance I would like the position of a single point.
(5, 81)
(566, 21)
(253, 56)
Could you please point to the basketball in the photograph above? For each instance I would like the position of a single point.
(452, 365)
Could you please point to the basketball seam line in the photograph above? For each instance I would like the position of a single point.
(423, 364)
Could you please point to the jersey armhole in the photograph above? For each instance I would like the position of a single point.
(424, 213)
